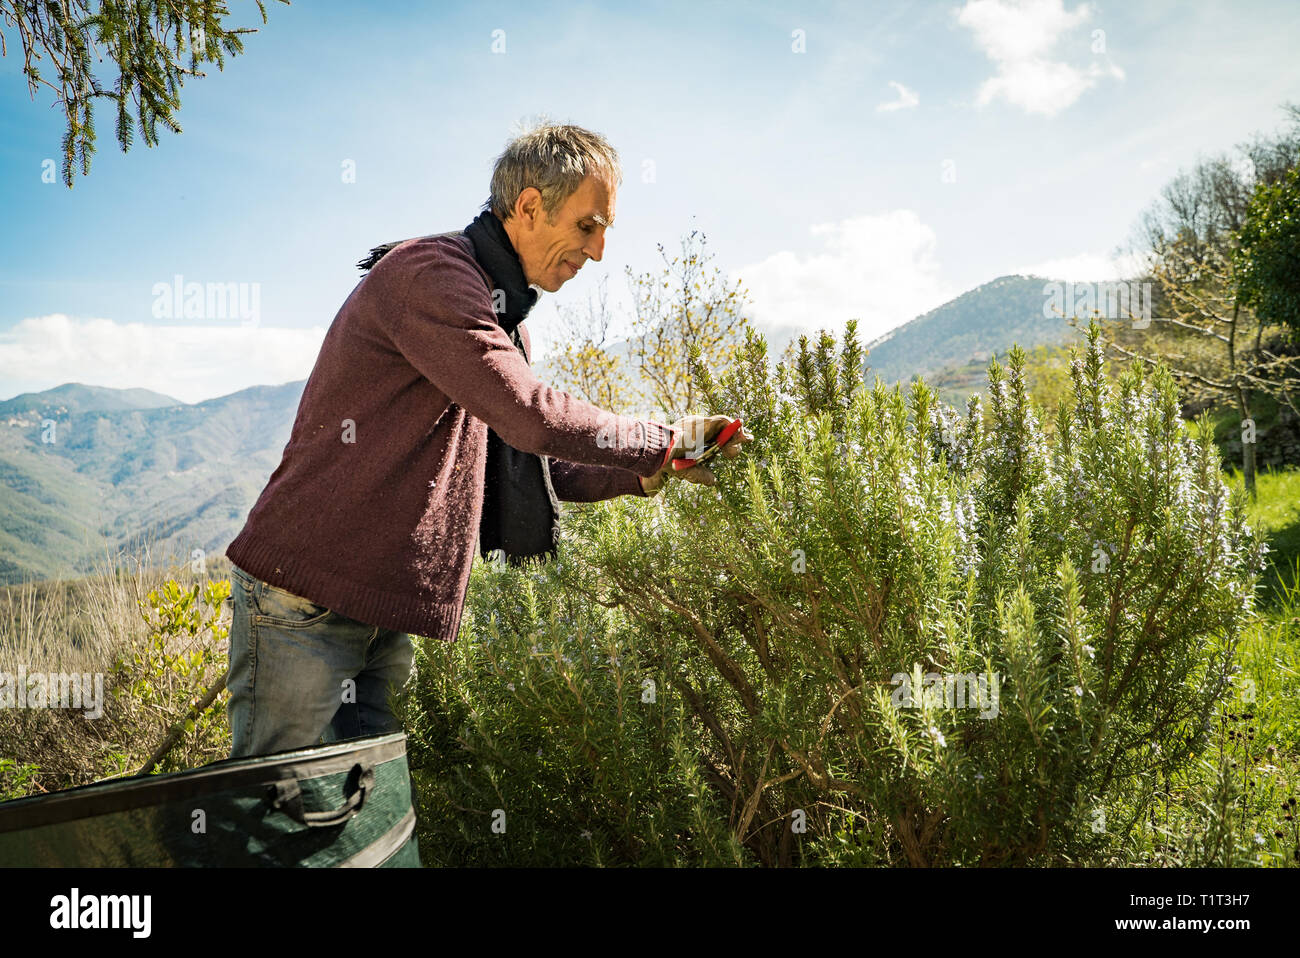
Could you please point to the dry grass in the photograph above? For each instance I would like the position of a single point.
(83, 626)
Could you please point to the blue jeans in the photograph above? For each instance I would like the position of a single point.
(301, 674)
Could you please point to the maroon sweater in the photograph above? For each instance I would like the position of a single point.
(374, 509)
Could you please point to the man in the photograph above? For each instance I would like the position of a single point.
(421, 428)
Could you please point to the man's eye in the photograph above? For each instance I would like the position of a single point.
(586, 228)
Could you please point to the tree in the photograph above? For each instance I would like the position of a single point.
(1268, 257)
(685, 306)
(1205, 207)
(1206, 284)
(681, 308)
(147, 39)
(1205, 338)
(584, 363)
(1047, 368)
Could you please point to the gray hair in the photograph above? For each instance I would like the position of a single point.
(555, 160)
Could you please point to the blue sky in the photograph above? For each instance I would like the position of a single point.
(909, 152)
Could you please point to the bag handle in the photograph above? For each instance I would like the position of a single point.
(286, 796)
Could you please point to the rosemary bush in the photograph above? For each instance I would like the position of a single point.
(894, 633)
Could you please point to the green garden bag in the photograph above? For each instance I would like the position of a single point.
(347, 804)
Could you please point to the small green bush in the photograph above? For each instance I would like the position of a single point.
(157, 683)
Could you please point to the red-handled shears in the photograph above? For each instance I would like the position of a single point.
(711, 449)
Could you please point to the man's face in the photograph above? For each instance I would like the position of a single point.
(552, 253)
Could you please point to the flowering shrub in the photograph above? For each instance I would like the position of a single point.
(893, 633)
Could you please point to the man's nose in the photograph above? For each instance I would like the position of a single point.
(595, 247)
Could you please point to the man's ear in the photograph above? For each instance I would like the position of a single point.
(528, 207)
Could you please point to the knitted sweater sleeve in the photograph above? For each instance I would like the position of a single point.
(443, 324)
(574, 482)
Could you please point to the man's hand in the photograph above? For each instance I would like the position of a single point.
(693, 434)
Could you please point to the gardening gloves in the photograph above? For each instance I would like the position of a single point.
(693, 433)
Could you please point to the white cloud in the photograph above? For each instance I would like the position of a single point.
(1084, 268)
(1041, 86)
(1011, 30)
(879, 269)
(1020, 36)
(191, 362)
(906, 99)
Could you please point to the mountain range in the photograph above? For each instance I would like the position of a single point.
(85, 471)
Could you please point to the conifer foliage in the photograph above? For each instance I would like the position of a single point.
(154, 44)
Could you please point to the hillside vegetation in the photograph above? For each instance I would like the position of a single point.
(116, 468)
(969, 331)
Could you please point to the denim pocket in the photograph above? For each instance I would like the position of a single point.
(284, 608)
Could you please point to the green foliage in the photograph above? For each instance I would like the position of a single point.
(1268, 252)
(148, 665)
(1235, 806)
(146, 39)
(171, 669)
(17, 779)
(540, 720)
(1278, 510)
(1099, 579)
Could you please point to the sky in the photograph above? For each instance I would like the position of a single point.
(865, 160)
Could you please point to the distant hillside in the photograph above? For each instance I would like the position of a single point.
(968, 329)
(129, 464)
(75, 398)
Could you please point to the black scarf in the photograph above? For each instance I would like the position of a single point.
(521, 513)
